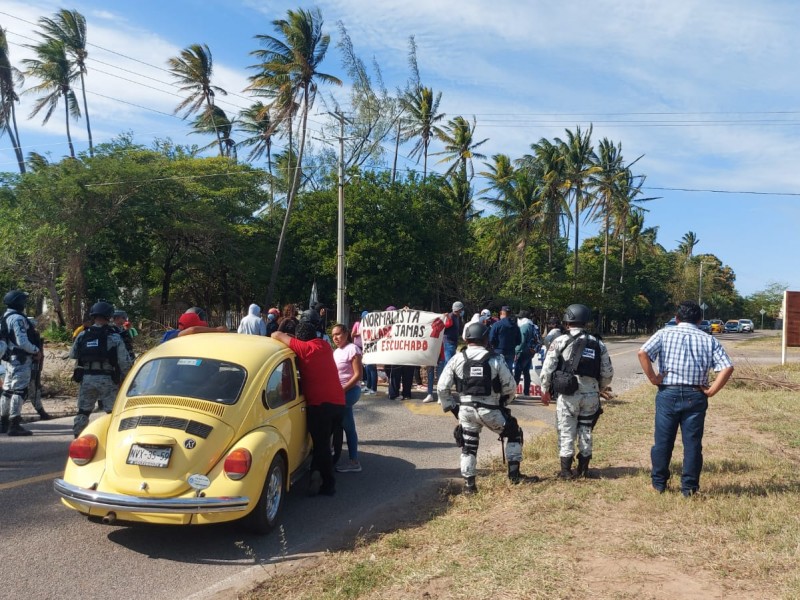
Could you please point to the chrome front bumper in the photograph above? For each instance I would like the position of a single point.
(197, 505)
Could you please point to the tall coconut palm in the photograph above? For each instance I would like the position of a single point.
(517, 204)
(215, 121)
(625, 203)
(256, 123)
(69, 27)
(546, 166)
(193, 70)
(10, 78)
(288, 73)
(687, 243)
(459, 145)
(420, 106)
(606, 182)
(54, 71)
(579, 165)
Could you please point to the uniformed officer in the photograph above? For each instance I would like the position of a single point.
(101, 363)
(37, 364)
(576, 412)
(484, 384)
(18, 357)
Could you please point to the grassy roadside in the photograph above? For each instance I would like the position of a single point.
(606, 538)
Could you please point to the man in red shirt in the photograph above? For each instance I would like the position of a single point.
(324, 396)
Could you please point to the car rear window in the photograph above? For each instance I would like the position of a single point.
(203, 378)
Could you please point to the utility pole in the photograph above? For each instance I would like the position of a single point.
(341, 312)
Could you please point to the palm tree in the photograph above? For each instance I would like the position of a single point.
(69, 27)
(193, 69)
(214, 120)
(10, 78)
(517, 204)
(606, 182)
(579, 165)
(420, 105)
(625, 203)
(257, 125)
(459, 147)
(546, 166)
(52, 67)
(288, 73)
(687, 243)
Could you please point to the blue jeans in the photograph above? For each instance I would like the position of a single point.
(523, 367)
(430, 372)
(684, 407)
(371, 377)
(450, 349)
(351, 396)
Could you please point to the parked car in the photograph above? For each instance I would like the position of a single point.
(717, 325)
(731, 326)
(671, 323)
(746, 326)
(705, 326)
(206, 428)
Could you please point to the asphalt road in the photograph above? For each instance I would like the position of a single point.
(406, 450)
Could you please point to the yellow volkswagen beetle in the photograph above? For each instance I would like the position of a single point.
(206, 428)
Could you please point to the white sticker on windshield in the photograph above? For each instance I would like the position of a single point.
(190, 362)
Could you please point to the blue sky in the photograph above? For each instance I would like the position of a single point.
(706, 90)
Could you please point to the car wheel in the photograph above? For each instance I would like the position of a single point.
(265, 515)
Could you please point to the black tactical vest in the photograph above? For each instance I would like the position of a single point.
(589, 364)
(477, 377)
(94, 346)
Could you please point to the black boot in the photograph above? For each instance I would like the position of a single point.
(583, 466)
(469, 486)
(4, 424)
(566, 468)
(15, 429)
(43, 414)
(513, 472)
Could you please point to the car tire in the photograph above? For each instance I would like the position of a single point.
(266, 512)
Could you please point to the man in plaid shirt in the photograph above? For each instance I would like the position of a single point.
(685, 354)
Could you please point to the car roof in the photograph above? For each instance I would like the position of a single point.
(249, 351)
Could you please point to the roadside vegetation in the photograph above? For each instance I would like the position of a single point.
(209, 224)
(607, 538)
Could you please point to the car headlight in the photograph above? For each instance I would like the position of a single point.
(237, 463)
(82, 449)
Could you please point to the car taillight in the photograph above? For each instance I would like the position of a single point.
(82, 449)
(237, 463)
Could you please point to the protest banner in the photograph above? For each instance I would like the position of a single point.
(402, 337)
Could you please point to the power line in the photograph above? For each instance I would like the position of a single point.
(712, 191)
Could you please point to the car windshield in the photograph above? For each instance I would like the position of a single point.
(746, 322)
(203, 378)
(705, 323)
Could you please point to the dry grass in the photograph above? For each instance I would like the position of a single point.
(606, 538)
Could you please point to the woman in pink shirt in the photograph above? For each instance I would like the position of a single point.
(348, 361)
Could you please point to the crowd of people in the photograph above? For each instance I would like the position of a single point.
(484, 373)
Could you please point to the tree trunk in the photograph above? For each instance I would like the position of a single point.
(69, 135)
(577, 216)
(273, 277)
(86, 112)
(396, 151)
(605, 255)
(271, 182)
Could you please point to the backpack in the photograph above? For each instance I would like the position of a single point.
(5, 338)
(535, 341)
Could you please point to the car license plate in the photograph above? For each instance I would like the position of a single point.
(149, 456)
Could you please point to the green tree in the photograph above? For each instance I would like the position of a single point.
(256, 123)
(192, 70)
(288, 73)
(54, 71)
(459, 146)
(69, 28)
(420, 107)
(579, 161)
(10, 79)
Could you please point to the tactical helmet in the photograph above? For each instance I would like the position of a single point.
(15, 299)
(198, 311)
(120, 313)
(577, 313)
(476, 332)
(101, 309)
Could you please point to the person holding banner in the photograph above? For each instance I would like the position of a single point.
(452, 331)
(485, 384)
